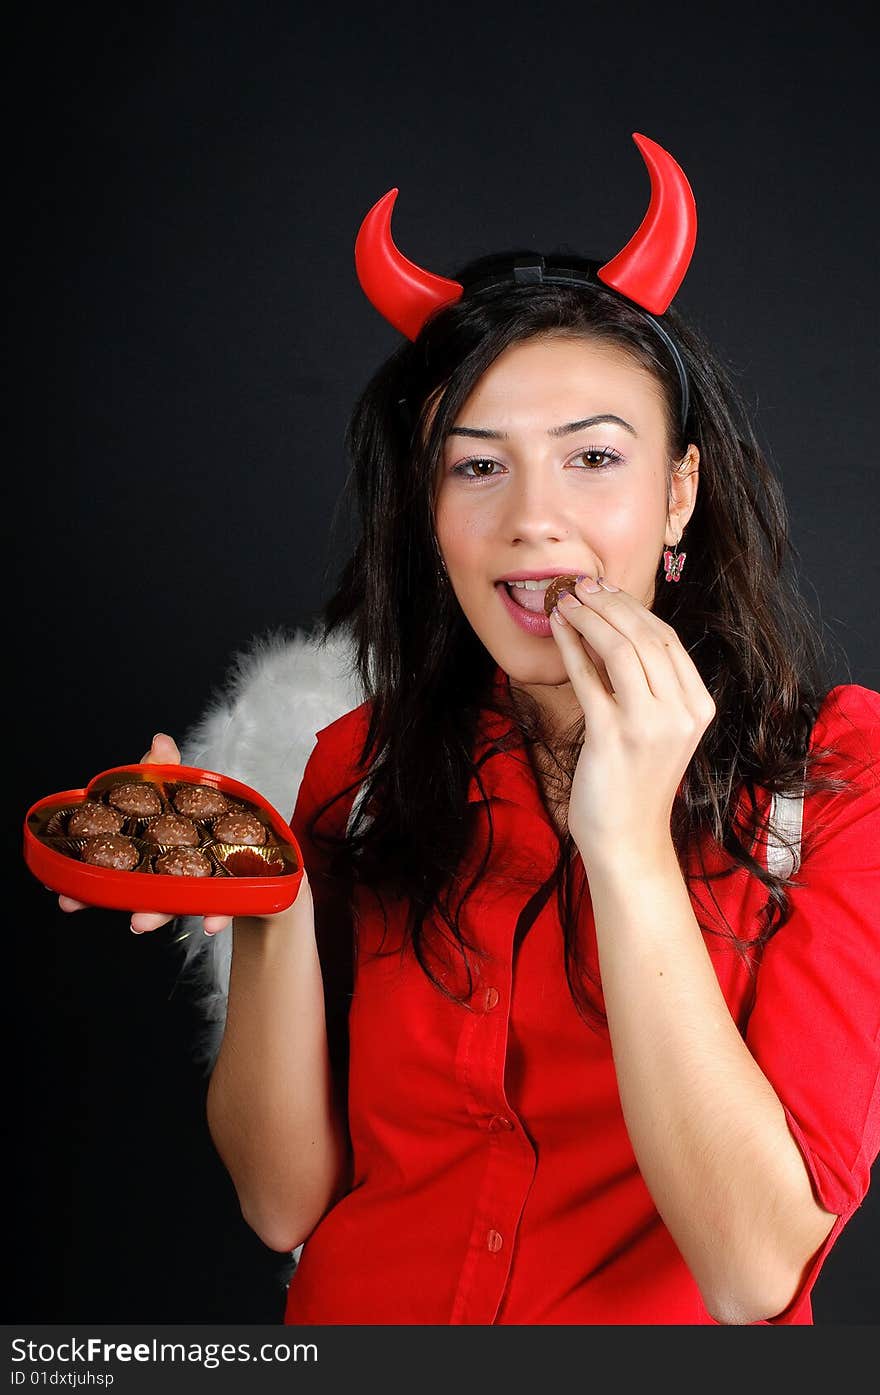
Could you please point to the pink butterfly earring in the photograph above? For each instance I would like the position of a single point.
(673, 562)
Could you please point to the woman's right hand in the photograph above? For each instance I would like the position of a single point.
(163, 751)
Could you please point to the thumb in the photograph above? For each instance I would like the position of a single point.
(163, 751)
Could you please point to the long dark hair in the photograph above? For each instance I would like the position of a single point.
(426, 676)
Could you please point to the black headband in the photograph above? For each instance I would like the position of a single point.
(533, 271)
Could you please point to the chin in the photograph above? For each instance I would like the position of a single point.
(523, 666)
(551, 673)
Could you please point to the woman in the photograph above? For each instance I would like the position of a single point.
(548, 1035)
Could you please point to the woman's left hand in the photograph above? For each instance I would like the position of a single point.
(645, 714)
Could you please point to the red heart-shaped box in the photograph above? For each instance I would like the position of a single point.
(238, 884)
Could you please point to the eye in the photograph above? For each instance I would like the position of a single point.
(607, 458)
(461, 469)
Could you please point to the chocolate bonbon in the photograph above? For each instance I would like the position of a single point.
(94, 817)
(139, 800)
(240, 826)
(174, 830)
(559, 583)
(200, 801)
(111, 850)
(183, 862)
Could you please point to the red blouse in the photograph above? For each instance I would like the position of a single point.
(494, 1180)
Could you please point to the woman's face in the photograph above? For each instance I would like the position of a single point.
(521, 490)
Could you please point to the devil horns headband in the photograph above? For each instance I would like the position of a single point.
(648, 271)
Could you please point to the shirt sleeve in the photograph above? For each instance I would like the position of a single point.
(815, 1026)
(328, 773)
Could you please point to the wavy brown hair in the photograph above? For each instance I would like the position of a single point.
(737, 610)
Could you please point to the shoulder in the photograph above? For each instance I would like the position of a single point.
(844, 822)
(335, 766)
(331, 779)
(849, 721)
(278, 696)
(347, 732)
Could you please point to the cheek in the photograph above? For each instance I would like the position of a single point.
(631, 536)
(629, 518)
(461, 531)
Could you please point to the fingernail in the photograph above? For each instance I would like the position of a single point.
(135, 932)
(607, 584)
(566, 598)
(557, 615)
(588, 584)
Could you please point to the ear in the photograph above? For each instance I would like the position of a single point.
(683, 484)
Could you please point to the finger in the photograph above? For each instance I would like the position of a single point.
(67, 903)
(591, 685)
(163, 751)
(657, 632)
(695, 691)
(626, 676)
(633, 644)
(144, 921)
(575, 648)
(216, 924)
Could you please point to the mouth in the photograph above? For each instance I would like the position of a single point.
(525, 607)
(536, 591)
(528, 594)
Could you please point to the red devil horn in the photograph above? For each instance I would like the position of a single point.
(404, 293)
(652, 265)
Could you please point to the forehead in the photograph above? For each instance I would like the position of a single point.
(540, 383)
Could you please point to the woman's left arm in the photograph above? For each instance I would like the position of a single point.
(707, 1128)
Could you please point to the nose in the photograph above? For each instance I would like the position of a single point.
(536, 508)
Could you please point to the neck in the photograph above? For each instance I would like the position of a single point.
(558, 708)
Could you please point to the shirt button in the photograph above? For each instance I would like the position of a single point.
(498, 1122)
(494, 1241)
(490, 999)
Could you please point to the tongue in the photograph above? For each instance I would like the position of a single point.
(529, 600)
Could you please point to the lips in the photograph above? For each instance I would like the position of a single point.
(534, 622)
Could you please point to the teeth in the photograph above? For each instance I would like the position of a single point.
(533, 585)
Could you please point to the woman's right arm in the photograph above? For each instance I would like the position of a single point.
(274, 1114)
(276, 1119)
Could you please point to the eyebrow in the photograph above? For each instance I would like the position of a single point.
(485, 435)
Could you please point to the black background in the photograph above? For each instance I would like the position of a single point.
(184, 188)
